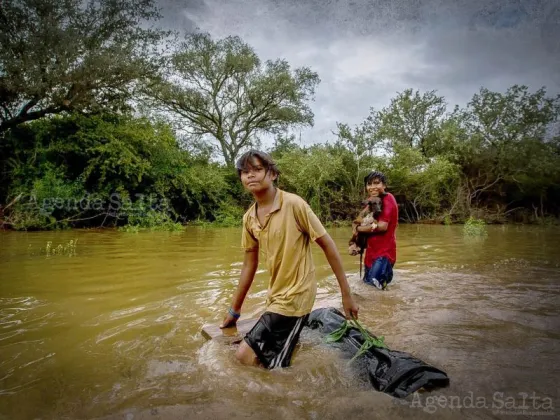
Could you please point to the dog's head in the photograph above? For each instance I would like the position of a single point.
(374, 205)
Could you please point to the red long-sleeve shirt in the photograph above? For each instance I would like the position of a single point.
(384, 244)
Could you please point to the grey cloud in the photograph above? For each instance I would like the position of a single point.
(182, 15)
(550, 30)
(367, 51)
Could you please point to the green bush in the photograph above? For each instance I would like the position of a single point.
(48, 202)
(475, 227)
(67, 249)
(151, 220)
(229, 214)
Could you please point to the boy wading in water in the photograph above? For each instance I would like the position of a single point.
(282, 226)
(381, 251)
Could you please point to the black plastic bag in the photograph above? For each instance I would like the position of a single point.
(396, 373)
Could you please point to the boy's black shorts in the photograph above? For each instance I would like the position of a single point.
(274, 337)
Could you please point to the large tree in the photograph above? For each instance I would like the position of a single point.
(411, 120)
(508, 141)
(359, 145)
(220, 89)
(64, 55)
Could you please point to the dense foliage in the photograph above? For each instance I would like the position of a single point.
(90, 100)
(69, 55)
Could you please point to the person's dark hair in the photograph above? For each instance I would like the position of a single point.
(375, 175)
(247, 158)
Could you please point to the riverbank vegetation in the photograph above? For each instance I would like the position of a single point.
(106, 121)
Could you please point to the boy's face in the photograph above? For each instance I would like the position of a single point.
(255, 178)
(375, 187)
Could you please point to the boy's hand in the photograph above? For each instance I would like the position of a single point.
(350, 307)
(229, 321)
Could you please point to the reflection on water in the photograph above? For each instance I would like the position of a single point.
(113, 332)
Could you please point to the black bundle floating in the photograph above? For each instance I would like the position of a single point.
(392, 372)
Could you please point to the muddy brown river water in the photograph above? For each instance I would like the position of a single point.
(111, 328)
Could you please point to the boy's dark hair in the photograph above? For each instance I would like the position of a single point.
(375, 175)
(244, 161)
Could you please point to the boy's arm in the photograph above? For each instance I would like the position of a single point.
(389, 208)
(370, 228)
(250, 264)
(388, 214)
(382, 226)
(329, 248)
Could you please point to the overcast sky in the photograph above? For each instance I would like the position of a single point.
(367, 51)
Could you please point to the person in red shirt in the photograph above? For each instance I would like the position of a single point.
(381, 251)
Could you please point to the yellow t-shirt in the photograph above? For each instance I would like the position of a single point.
(285, 243)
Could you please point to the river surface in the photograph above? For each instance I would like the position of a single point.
(111, 328)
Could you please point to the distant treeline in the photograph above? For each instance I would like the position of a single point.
(91, 103)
